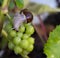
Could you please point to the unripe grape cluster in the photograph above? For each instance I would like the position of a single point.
(20, 41)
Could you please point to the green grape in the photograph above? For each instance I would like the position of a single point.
(17, 50)
(26, 25)
(13, 33)
(24, 52)
(16, 40)
(30, 30)
(31, 40)
(30, 48)
(24, 44)
(22, 28)
(25, 36)
(19, 34)
(21, 43)
(10, 45)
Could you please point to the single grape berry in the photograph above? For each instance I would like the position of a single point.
(16, 40)
(19, 34)
(28, 14)
(25, 36)
(27, 24)
(24, 52)
(17, 50)
(31, 40)
(29, 30)
(24, 44)
(10, 45)
(13, 33)
(22, 28)
(30, 48)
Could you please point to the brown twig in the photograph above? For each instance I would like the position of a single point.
(37, 28)
(43, 28)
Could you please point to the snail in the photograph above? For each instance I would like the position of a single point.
(23, 16)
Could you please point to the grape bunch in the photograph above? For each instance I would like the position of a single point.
(20, 41)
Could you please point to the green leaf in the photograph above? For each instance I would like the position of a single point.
(11, 5)
(52, 47)
(1, 2)
(19, 3)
